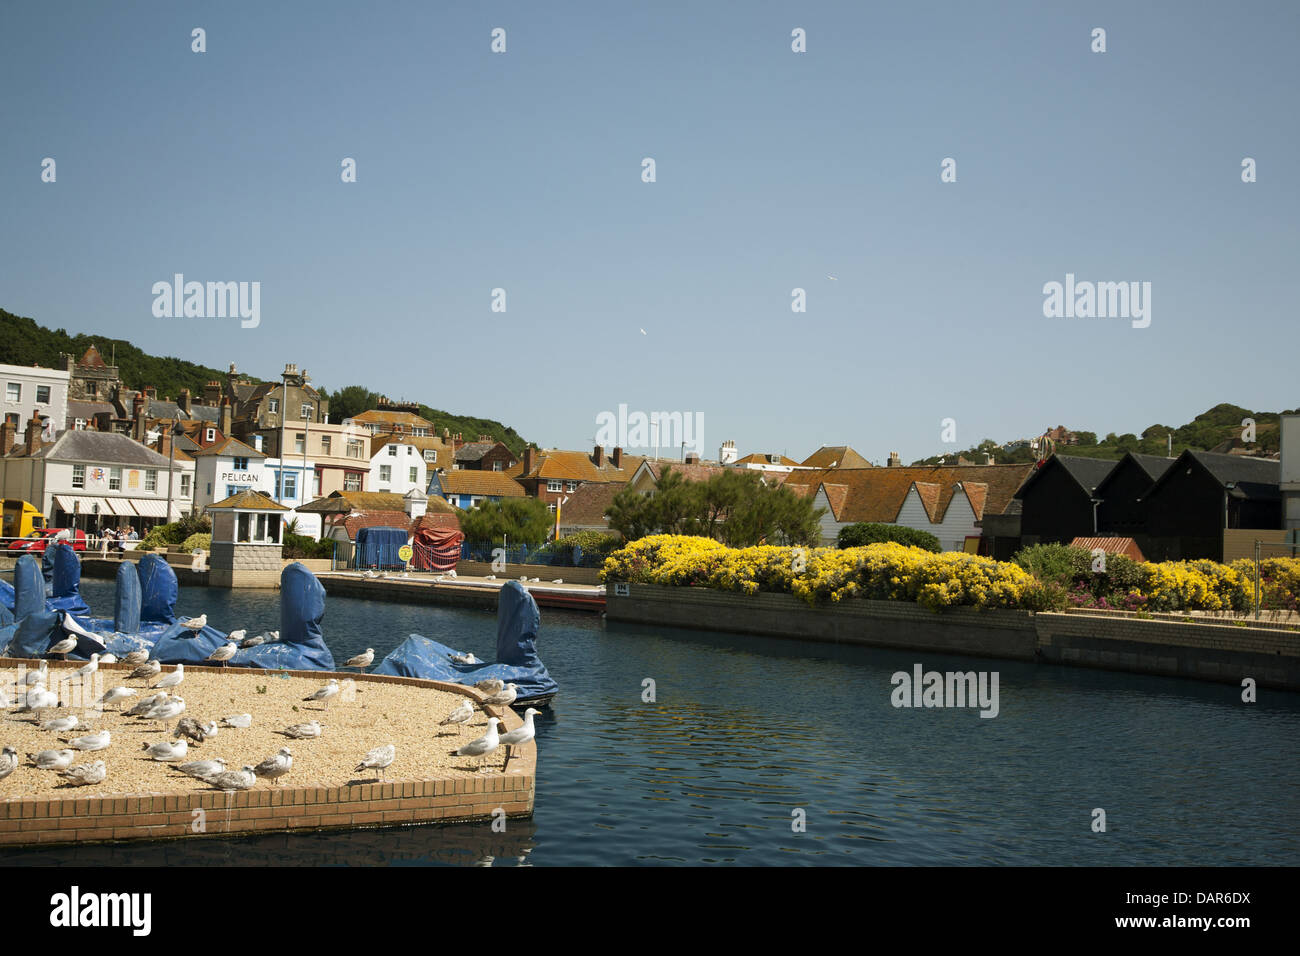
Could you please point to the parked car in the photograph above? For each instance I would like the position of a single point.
(38, 541)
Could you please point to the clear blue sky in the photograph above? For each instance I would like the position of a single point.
(775, 169)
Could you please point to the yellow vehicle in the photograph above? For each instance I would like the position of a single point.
(21, 518)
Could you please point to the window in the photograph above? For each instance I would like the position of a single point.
(272, 405)
(324, 444)
(42, 395)
(354, 447)
(554, 484)
(570, 486)
(430, 455)
(151, 480)
(392, 451)
(240, 464)
(498, 466)
(300, 444)
(306, 410)
(421, 432)
(232, 490)
(351, 481)
(551, 507)
(414, 479)
(79, 425)
(78, 476)
(92, 389)
(14, 392)
(385, 472)
(244, 532)
(185, 486)
(210, 435)
(115, 479)
(290, 485)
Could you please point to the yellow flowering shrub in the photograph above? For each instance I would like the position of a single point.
(1193, 586)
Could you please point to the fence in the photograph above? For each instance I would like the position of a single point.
(557, 557)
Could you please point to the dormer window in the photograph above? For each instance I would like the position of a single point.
(210, 435)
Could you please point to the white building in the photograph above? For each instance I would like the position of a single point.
(398, 464)
(293, 485)
(40, 390)
(92, 480)
(225, 469)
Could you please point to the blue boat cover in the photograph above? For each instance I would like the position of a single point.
(301, 645)
(65, 568)
(377, 547)
(7, 599)
(158, 590)
(126, 603)
(518, 621)
(34, 628)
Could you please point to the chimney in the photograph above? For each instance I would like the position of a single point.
(227, 416)
(727, 453)
(484, 437)
(183, 402)
(617, 459)
(151, 392)
(894, 461)
(33, 436)
(692, 459)
(598, 456)
(137, 425)
(530, 460)
(8, 434)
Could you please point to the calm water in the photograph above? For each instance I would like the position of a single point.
(745, 730)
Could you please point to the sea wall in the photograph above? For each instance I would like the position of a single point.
(1216, 652)
(546, 572)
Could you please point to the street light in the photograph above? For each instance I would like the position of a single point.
(177, 430)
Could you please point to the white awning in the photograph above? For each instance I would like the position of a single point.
(150, 507)
(81, 505)
(121, 506)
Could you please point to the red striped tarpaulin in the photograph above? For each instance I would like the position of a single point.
(436, 549)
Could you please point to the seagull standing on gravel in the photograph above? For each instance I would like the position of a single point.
(64, 647)
(37, 676)
(460, 716)
(8, 761)
(483, 745)
(275, 766)
(362, 660)
(96, 741)
(136, 658)
(223, 653)
(195, 623)
(521, 734)
(52, 759)
(235, 779)
(147, 670)
(39, 699)
(115, 694)
(504, 697)
(324, 694)
(171, 707)
(171, 680)
(86, 774)
(377, 759)
(147, 704)
(85, 670)
(303, 731)
(203, 769)
(192, 729)
(167, 751)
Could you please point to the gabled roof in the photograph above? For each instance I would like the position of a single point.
(345, 502)
(585, 508)
(376, 417)
(101, 448)
(474, 450)
(1153, 466)
(835, 456)
(422, 442)
(556, 464)
(761, 459)
(691, 472)
(1249, 477)
(878, 494)
(231, 446)
(250, 500)
(1088, 473)
(493, 484)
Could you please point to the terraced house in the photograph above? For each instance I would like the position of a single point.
(553, 474)
(469, 489)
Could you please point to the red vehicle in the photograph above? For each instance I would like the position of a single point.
(38, 541)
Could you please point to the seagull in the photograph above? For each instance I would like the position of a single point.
(369, 573)
(166, 751)
(86, 774)
(362, 660)
(224, 653)
(173, 679)
(147, 704)
(558, 581)
(377, 759)
(236, 636)
(63, 647)
(832, 278)
(643, 332)
(191, 728)
(465, 658)
(460, 716)
(303, 731)
(252, 641)
(115, 694)
(195, 623)
(490, 686)
(108, 659)
(37, 676)
(238, 720)
(52, 759)
(504, 697)
(97, 741)
(60, 724)
(8, 761)
(523, 733)
(490, 577)
(136, 658)
(235, 779)
(210, 729)
(483, 745)
(39, 699)
(147, 670)
(203, 769)
(171, 707)
(324, 694)
(276, 766)
(85, 670)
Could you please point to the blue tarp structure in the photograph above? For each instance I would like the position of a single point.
(34, 628)
(518, 621)
(158, 590)
(377, 547)
(65, 580)
(301, 645)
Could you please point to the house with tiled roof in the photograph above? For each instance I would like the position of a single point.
(344, 513)
(225, 469)
(393, 418)
(553, 474)
(584, 510)
(469, 489)
(835, 456)
(646, 478)
(774, 463)
(486, 454)
(400, 462)
(949, 502)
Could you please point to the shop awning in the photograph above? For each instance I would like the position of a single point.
(121, 506)
(81, 505)
(150, 507)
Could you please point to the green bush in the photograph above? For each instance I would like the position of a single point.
(178, 532)
(596, 546)
(866, 532)
(301, 547)
(201, 542)
(1055, 562)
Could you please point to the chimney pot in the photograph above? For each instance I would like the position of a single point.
(598, 456)
(617, 459)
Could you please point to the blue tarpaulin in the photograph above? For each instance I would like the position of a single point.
(518, 621)
(377, 547)
(158, 590)
(65, 580)
(34, 628)
(301, 645)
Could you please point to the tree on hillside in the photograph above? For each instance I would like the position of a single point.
(350, 401)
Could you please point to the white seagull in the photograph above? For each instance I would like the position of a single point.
(235, 637)
(172, 680)
(303, 731)
(52, 759)
(275, 766)
(96, 741)
(37, 676)
(235, 779)
(238, 720)
(324, 694)
(63, 647)
(60, 724)
(167, 751)
(523, 733)
(108, 659)
(490, 686)
(377, 759)
(85, 670)
(223, 653)
(466, 658)
(203, 769)
(136, 658)
(8, 761)
(460, 716)
(86, 774)
(171, 707)
(504, 697)
(115, 694)
(362, 660)
(483, 745)
(195, 623)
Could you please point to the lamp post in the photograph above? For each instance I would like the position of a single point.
(176, 431)
(284, 411)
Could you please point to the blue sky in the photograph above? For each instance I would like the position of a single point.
(522, 171)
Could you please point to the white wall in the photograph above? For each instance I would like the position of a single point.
(214, 472)
(406, 458)
(27, 380)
